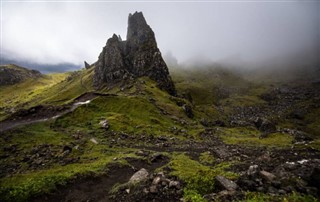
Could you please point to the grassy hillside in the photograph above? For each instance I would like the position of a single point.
(51, 89)
(147, 127)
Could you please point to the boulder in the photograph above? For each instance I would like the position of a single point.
(225, 183)
(265, 126)
(86, 65)
(188, 110)
(269, 177)
(139, 176)
(104, 124)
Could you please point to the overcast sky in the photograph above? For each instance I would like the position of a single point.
(71, 32)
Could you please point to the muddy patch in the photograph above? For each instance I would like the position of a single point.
(97, 188)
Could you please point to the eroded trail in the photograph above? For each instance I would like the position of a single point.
(97, 188)
(42, 113)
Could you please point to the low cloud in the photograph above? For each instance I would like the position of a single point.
(251, 33)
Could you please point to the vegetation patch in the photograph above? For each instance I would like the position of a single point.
(199, 179)
(293, 197)
(251, 136)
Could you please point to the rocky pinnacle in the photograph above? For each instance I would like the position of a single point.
(138, 56)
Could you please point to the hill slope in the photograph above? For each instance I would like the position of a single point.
(204, 132)
(12, 74)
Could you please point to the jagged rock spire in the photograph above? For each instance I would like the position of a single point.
(136, 57)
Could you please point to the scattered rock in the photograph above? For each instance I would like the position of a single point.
(253, 170)
(267, 176)
(93, 140)
(104, 124)
(222, 152)
(139, 176)
(315, 177)
(174, 184)
(188, 110)
(156, 157)
(265, 126)
(225, 183)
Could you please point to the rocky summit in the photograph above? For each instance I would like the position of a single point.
(138, 56)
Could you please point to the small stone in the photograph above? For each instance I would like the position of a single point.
(139, 176)
(104, 124)
(272, 190)
(156, 180)
(225, 183)
(155, 157)
(153, 189)
(93, 140)
(260, 189)
(174, 184)
(267, 176)
(253, 170)
(128, 191)
(276, 184)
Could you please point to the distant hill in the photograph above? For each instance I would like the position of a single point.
(12, 74)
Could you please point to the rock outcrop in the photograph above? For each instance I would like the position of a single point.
(12, 74)
(86, 65)
(138, 56)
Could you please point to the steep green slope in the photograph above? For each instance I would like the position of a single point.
(52, 89)
(25, 93)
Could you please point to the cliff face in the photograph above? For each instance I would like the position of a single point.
(136, 57)
(12, 74)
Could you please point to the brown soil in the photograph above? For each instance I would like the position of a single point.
(97, 188)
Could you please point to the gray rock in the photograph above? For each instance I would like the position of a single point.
(225, 183)
(253, 170)
(139, 176)
(188, 110)
(265, 126)
(153, 189)
(104, 124)
(222, 152)
(156, 180)
(12, 74)
(267, 176)
(138, 56)
(86, 65)
(174, 184)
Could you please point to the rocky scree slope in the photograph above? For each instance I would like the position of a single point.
(138, 56)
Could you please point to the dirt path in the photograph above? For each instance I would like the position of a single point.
(97, 188)
(44, 113)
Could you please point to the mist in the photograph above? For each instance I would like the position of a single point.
(238, 34)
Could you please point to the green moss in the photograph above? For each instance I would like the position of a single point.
(206, 158)
(250, 136)
(293, 197)
(192, 196)
(243, 100)
(199, 178)
(315, 144)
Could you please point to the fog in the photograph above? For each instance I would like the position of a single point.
(244, 34)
